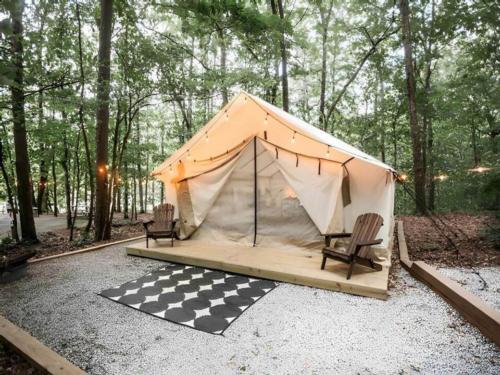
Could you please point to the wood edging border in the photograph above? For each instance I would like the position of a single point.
(84, 250)
(471, 307)
(34, 351)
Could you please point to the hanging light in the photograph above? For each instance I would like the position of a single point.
(328, 151)
(245, 98)
(170, 169)
(206, 136)
(403, 177)
(188, 157)
(266, 121)
(227, 115)
(293, 138)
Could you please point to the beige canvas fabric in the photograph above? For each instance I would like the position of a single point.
(299, 179)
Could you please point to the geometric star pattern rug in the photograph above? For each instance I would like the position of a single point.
(196, 297)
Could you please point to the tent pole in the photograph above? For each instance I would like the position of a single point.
(255, 190)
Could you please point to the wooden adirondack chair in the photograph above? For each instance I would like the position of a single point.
(362, 237)
(162, 225)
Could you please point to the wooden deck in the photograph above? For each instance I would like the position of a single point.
(299, 266)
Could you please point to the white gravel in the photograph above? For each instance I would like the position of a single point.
(292, 330)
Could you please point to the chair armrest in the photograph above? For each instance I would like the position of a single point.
(369, 243)
(329, 236)
(147, 223)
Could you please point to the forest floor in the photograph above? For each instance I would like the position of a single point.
(454, 239)
(55, 239)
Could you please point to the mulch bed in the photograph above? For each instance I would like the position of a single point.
(454, 239)
(12, 363)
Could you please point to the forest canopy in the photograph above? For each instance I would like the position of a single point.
(166, 67)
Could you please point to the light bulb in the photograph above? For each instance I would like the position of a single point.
(206, 136)
(227, 116)
(293, 138)
(328, 152)
(188, 155)
(266, 121)
(170, 169)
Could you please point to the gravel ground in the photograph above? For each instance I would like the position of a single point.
(483, 282)
(292, 330)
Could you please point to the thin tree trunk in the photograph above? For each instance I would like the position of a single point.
(102, 128)
(325, 15)
(126, 192)
(223, 62)
(76, 189)
(24, 186)
(54, 179)
(284, 58)
(67, 183)
(10, 196)
(415, 128)
(86, 144)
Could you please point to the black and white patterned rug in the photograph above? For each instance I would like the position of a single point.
(196, 297)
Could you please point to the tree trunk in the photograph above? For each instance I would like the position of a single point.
(86, 145)
(76, 188)
(126, 192)
(284, 58)
(102, 127)
(10, 196)
(415, 129)
(67, 181)
(325, 16)
(41, 200)
(54, 179)
(223, 61)
(24, 187)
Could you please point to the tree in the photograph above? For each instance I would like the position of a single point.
(415, 128)
(102, 120)
(24, 187)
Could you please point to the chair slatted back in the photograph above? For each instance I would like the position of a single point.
(163, 216)
(365, 229)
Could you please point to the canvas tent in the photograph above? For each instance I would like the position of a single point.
(257, 175)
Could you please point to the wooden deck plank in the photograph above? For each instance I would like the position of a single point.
(296, 266)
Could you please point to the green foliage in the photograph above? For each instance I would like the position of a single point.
(168, 79)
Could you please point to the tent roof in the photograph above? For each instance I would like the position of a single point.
(244, 117)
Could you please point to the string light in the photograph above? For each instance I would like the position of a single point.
(441, 177)
(328, 151)
(188, 155)
(206, 137)
(403, 177)
(227, 115)
(170, 169)
(266, 121)
(479, 169)
(293, 137)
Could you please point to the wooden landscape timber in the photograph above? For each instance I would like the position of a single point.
(34, 351)
(472, 308)
(87, 249)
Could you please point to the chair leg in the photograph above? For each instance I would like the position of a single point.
(323, 263)
(351, 266)
(147, 242)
